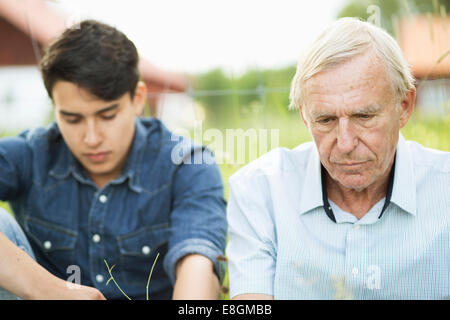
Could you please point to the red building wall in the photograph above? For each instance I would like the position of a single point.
(16, 48)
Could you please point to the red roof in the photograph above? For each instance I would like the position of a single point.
(425, 41)
(31, 19)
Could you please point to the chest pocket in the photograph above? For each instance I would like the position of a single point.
(52, 242)
(138, 251)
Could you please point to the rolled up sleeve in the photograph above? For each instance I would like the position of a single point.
(198, 218)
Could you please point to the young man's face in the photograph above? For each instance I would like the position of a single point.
(99, 133)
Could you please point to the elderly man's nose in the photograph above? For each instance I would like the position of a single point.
(346, 138)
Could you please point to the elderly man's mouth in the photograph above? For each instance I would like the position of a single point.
(351, 165)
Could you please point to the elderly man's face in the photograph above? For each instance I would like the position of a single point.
(350, 111)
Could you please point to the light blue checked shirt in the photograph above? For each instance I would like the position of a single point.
(282, 243)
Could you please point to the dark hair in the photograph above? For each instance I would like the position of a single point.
(97, 57)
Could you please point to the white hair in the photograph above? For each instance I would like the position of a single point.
(343, 40)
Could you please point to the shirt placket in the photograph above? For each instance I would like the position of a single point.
(354, 261)
(97, 249)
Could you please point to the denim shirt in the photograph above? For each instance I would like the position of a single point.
(163, 202)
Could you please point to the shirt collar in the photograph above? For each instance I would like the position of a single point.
(132, 165)
(404, 189)
(311, 194)
(401, 189)
(66, 163)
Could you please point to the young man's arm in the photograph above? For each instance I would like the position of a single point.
(198, 223)
(188, 271)
(19, 273)
(25, 278)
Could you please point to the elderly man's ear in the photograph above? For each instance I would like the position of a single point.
(407, 107)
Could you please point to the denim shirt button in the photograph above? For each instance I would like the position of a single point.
(96, 238)
(47, 245)
(103, 198)
(146, 250)
(99, 278)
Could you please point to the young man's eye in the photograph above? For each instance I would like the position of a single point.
(72, 120)
(109, 117)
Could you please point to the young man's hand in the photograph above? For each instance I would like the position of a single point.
(25, 278)
(62, 290)
(85, 293)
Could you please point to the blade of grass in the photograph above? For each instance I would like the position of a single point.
(112, 278)
(150, 275)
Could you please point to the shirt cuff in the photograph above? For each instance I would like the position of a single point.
(195, 246)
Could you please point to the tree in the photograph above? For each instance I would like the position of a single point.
(391, 10)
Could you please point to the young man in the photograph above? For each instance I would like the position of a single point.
(101, 185)
(357, 213)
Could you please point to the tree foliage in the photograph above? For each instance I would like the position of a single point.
(252, 93)
(391, 10)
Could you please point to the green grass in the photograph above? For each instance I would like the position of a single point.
(5, 205)
(432, 133)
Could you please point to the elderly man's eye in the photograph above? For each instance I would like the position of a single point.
(365, 116)
(324, 120)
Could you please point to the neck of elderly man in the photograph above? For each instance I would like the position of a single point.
(355, 117)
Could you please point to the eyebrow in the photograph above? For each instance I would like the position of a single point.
(320, 114)
(371, 109)
(368, 110)
(72, 114)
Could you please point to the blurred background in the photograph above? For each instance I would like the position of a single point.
(224, 65)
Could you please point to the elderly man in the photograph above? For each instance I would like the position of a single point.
(358, 213)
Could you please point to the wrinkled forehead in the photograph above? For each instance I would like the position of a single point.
(361, 82)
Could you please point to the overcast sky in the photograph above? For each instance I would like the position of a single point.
(197, 35)
(184, 36)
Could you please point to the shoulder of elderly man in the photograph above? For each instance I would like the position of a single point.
(283, 160)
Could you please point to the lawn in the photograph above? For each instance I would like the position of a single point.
(433, 133)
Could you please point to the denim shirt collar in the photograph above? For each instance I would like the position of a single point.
(403, 189)
(67, 164)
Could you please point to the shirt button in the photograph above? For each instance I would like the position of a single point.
(146, 250)
(103, 198)
(96, 238)
(99, 278)
(47, 245)
(355, 271)
(356, 227)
